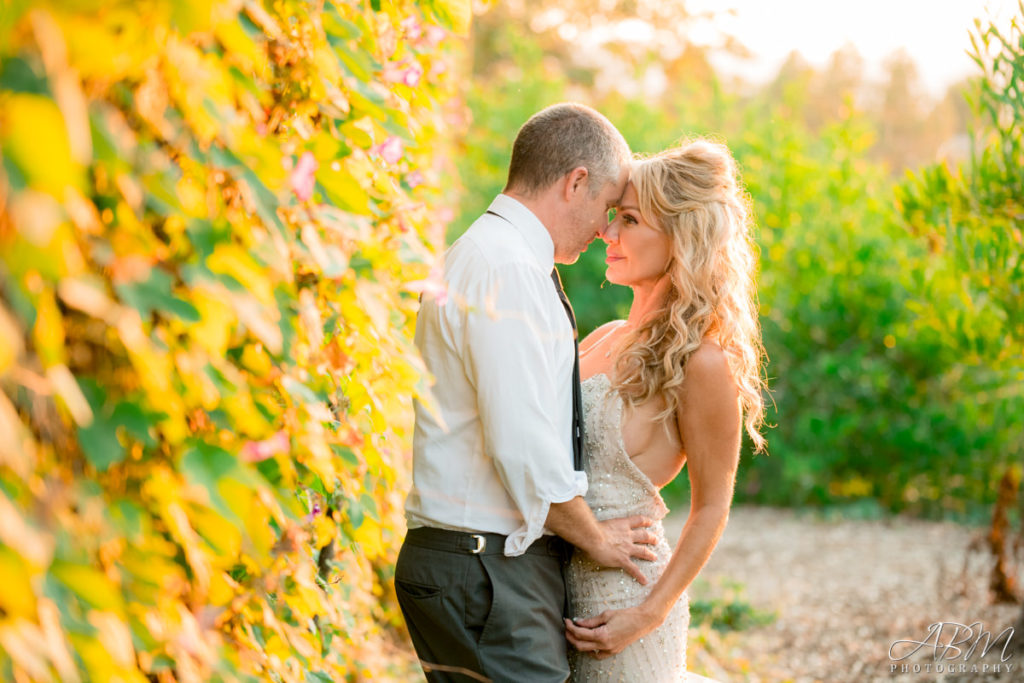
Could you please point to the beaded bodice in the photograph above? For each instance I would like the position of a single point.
(617, 486)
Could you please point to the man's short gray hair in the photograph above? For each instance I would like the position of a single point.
(560, 138)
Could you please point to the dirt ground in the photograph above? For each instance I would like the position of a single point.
(843, 592)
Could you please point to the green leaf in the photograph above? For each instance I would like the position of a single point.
(100, 445)
(337, 26)
(206, 465)
(136, 421)
(154, 294)
(19, 75)
(346, 454)
(99, 440)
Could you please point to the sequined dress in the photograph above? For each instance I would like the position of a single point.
(619, 489)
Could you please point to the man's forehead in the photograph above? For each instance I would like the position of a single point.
(621, 192)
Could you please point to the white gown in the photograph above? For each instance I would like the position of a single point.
(619, 489)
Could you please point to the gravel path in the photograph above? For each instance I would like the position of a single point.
(844, 592)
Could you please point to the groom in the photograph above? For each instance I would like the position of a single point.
(497, 472)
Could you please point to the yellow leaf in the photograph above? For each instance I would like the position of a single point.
(91, 585)
(260, 536)
(326, 529)
(222, 535)
(48, 332)
(246, 416)
(256, 360)
(459, 12)
(35, 138)
(241, 49)
(11, 344)
(231, 259)
(213, 331)
(368, 536)
(17, 599)
(222, 589)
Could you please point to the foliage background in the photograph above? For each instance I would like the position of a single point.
(890, 283)
(214, 219)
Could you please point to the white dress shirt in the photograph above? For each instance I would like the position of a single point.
(498, 451)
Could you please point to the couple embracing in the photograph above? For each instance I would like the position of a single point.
(536, 550)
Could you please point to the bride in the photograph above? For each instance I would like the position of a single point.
(672, 385)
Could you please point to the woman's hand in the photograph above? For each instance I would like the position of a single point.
(611, 631)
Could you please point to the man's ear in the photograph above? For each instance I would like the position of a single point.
(577, 179)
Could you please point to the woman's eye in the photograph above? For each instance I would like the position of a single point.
(629, 219)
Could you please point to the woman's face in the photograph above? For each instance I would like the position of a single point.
(637, 252)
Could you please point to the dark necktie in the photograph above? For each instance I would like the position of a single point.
(577, 397)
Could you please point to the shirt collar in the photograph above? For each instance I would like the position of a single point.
(529, 226)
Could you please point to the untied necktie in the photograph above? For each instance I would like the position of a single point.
(577, 397)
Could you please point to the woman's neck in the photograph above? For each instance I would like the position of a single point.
(648, 297)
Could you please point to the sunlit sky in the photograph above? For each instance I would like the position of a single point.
(934, 32)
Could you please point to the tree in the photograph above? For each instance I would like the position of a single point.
(972, 217)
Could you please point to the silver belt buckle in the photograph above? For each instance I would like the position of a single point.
(481, 543)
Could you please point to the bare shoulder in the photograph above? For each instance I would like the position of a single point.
(599, 334)
(709, 410)
(708, 373)
(709, 365)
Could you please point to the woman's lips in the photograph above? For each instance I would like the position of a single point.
(612, 259)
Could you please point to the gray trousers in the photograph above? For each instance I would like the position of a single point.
(477, 617)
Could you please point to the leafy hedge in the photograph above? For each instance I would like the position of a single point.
(214, 219)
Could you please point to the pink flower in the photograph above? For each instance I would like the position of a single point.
(415, 178)
(432, 286)
(256, 451)
(315, 511)
(407, 73)
(412, 28)
(391, 150)
(435, 34)
(303, 176)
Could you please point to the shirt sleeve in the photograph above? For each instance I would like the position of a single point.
(511, 351)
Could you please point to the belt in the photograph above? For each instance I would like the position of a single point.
(480, 544)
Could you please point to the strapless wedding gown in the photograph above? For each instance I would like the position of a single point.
(619, 489)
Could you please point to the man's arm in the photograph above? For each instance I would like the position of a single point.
(612, 543)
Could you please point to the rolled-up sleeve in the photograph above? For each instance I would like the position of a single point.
(514, 346)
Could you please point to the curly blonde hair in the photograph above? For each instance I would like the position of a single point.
(692, 193)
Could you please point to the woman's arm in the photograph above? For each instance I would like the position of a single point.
(709, 420)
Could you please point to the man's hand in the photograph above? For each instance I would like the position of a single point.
(623, 539)
(612, 543)
(610, 632)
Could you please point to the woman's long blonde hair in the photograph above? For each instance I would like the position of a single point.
(692, 193)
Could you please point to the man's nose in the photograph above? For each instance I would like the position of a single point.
(610, 232)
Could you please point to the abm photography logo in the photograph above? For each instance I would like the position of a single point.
(951, 647)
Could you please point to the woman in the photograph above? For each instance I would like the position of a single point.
(671, 385)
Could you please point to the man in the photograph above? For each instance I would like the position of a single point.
(478, 578)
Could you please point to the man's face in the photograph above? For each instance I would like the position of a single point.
(588, 216)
